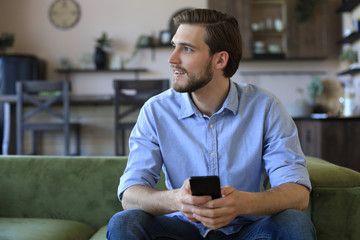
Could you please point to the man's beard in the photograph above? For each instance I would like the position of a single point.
(195, 82)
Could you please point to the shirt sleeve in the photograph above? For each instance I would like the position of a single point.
(283, 158)
(145, 161)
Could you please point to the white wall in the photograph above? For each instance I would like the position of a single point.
(125, 21)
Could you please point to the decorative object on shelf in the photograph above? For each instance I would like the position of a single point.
(100, 56)
(145, 41)
(64, 14)
(85, 61)
(347, 58)
(304, 9)
(329, 99)
(278, 25)
(350, 106)
(315, 88)
(300, 107)
(66, 63)
(6, 41)
(165, 38)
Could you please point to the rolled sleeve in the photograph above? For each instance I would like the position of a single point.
(283, 158)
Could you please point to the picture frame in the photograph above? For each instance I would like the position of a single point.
(165, 37)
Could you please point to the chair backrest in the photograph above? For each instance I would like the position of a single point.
(136, 93)
(133, 94)
(40, 96)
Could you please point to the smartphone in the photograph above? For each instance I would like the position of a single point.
(205, 186)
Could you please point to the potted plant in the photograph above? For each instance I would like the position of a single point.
(100, 57)
(348, 57)
(6, 41)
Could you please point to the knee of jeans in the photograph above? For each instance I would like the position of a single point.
(127, 217)
(293, 220)
(125, 221)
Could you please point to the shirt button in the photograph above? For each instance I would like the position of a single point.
(212, 154)
(211, 126)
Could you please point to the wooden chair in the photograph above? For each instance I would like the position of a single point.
(42, 97)
(130, 96)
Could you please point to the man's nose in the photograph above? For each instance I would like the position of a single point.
(174, 58)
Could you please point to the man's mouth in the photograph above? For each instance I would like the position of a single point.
(178, 72)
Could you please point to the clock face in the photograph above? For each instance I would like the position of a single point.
(64, 13)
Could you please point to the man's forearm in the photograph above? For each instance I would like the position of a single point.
(150, 200)
(275, 200)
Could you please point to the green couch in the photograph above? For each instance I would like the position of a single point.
(49, 197)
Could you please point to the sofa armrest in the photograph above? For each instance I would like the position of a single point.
(335, 200)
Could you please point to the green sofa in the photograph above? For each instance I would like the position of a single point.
(51, 197)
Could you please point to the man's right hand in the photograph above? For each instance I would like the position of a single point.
(187, 202)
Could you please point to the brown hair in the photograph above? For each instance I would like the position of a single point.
(222, 34)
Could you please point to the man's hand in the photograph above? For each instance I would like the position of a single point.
(187, 203)
(219, 212)
(213, 214)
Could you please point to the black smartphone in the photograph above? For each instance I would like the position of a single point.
(205, 186)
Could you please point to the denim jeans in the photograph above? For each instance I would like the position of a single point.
(137, 224)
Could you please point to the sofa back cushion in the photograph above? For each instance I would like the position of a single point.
(75, 188)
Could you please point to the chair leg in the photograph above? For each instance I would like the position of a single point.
(122, 142)
(116, 140)
(34, 142)
(78, 140)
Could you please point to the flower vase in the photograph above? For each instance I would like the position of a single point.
(100, 58)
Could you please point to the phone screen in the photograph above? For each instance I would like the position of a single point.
(205, 186)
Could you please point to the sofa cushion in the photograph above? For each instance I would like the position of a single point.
(326, 174)
(82, 188)
(43, 229)
(100, 234)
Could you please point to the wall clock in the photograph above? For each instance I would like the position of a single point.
(64, 14)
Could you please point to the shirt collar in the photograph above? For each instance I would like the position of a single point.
(231, 103)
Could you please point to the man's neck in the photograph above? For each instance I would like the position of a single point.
(210, 98)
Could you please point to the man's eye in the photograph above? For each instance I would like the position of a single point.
(187, 49)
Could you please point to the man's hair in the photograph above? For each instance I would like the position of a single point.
(221, 34)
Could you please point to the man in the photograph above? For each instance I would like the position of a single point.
(208, 125)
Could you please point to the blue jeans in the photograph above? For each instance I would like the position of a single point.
(137, 224)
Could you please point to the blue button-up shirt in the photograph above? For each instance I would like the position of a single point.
(249, 140)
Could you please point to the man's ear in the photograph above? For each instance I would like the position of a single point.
(222, 59)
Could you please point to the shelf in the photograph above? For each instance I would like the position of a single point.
(156, 46)
(268, 33)
(348, 6)
(350, 39)
(69, 71)
(269, 56)
(74, 70)
(350, 72)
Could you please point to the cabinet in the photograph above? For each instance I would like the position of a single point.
(268, 33)
(335, 140)
(240, 9)
(316, 38)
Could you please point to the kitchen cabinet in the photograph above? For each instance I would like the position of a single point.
(333, 139)
(240, 9)
(316, 38)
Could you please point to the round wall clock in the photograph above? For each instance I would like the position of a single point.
(64, 13)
